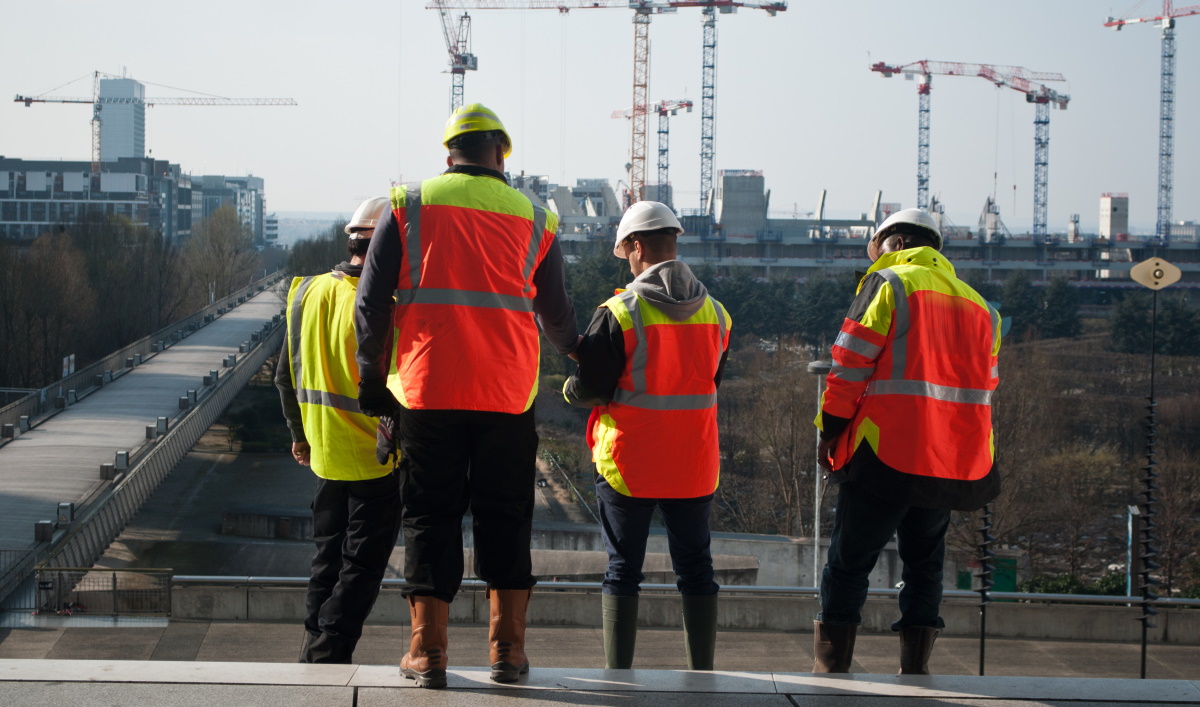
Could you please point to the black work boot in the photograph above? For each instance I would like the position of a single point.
(916, 644)
(833, 647)
(700, 629)
(620, 630)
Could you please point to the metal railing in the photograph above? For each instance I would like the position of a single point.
(66, 591)
(726, 590)
(45, 400)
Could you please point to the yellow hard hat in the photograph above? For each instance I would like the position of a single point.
(475, 117)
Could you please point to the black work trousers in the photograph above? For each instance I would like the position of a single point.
(453, 461)
(355, 526)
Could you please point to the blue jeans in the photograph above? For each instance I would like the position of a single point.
(625, 525)
(862, 525)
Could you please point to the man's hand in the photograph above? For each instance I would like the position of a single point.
(825, 451)
(375, 400)
(301, 452)
(574, 354)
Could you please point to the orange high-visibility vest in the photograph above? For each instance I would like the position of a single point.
(658, 436)
(465, 334)
(915, 375)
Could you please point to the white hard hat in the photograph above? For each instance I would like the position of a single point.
(645, 216)
(915, 217)
(367, 215)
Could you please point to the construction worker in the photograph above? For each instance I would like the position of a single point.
(476, 267)
(906, 427)
(649, 366)
(356, 507)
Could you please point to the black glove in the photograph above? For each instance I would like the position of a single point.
(375, 400)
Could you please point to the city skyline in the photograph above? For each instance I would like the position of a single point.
(795, 98)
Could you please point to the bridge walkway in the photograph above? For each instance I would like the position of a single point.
(58, 461)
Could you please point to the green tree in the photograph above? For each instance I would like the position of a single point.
(591, 280)
(824, 300)
(1177, 333)
(319, 252)
(1023, 303)
(1129, 323)
(1060, 310)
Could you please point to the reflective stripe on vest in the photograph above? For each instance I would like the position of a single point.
(294, 331)
(463, 298)
(945, 393)
(638, 397)
(329, 400)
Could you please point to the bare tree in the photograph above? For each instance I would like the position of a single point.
(220, 255)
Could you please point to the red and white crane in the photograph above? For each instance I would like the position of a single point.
(664, 109)
(1014, 77)
(1166, 108)
(643, 9)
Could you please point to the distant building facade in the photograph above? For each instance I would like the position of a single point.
(38, 196)
(741, 234)
(1114, 215)
(245, 195)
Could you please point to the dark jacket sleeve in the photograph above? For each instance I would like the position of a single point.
(373, 303)
(287, 395)
(552, 305)
(601, 360)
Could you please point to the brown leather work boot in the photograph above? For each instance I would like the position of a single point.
(426, 660)
(507, 633)
(833, 647)
(916, 644)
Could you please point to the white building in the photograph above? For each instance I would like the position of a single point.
(122, 125)
(1114, 215)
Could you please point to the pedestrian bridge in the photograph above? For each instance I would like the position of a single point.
(80, 457)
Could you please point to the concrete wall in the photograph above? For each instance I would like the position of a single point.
(782, 561)
(575, 607)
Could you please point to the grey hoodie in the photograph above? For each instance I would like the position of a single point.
(671, 287)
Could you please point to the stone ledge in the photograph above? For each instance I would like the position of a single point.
(57, 672)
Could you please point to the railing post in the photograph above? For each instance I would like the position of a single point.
(821, 370)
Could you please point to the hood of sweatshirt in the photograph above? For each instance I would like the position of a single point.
(672, 288)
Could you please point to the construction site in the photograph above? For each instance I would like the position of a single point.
(732, 227)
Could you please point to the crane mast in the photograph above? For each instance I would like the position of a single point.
(664, 109)
(458, 46)
(1166, 109)
(643, 9)
(1014, 77)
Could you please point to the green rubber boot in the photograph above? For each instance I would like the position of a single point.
(700, 628)
(620, 630)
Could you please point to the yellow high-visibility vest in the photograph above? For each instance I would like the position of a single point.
(322, 345)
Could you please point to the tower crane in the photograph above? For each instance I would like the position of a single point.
(643, 10)
(98, 102)
(458, 44)
(664, 109)
(1166, 108)
(1014, 77)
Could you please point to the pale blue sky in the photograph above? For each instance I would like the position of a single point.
(795, 97)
